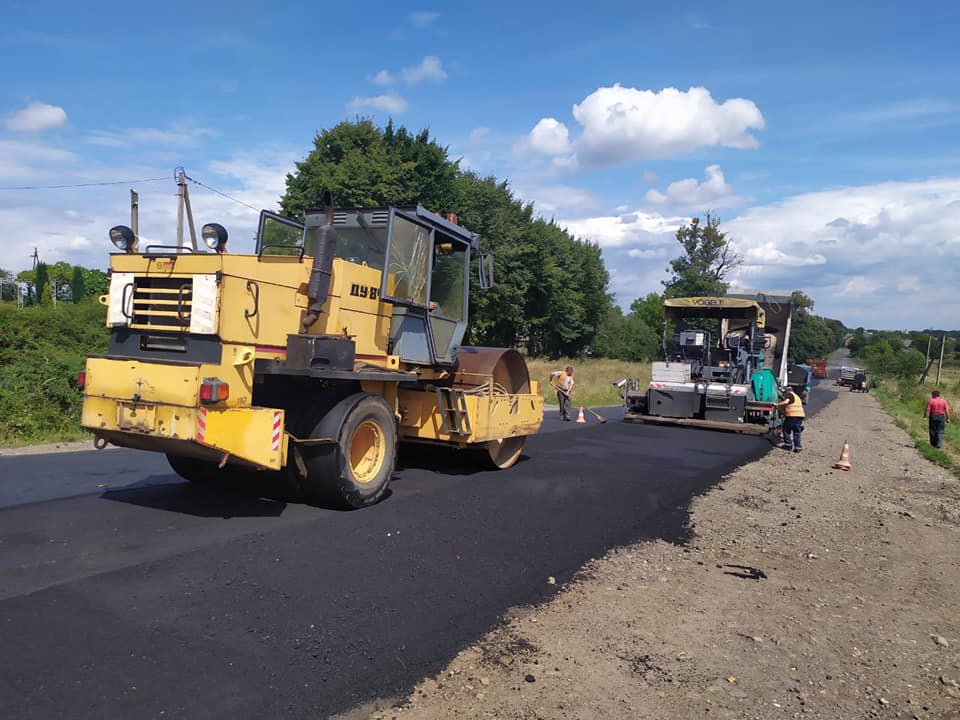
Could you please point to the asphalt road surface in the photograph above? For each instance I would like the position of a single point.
(125, 593)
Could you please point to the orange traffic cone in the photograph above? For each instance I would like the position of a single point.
(844, 462)
(580, 417)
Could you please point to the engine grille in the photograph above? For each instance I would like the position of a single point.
(162, 303)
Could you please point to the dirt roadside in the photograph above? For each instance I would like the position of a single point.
(60, 447)
(804, 592)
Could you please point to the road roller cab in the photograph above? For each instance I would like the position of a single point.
(307, 362)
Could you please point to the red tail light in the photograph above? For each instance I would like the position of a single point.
(214, 390)
(82, 379)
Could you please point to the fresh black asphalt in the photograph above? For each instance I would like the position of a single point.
(150, 598)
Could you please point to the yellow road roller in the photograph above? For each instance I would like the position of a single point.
(309, 361)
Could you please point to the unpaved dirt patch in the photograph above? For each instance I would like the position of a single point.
(804, 592)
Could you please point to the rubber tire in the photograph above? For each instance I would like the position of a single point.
(330, 480)
(199, 472)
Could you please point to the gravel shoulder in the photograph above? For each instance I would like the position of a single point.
(803, 592)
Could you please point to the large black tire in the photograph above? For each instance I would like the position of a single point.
(200, 472)
(354, 471)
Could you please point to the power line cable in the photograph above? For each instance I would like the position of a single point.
(130, 182)
(223, 194)
(82, 185)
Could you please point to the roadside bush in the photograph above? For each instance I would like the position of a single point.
(41, 350)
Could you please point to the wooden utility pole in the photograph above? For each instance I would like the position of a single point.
(943, 344)
(928, 363)
(135, 217)
(183, 203)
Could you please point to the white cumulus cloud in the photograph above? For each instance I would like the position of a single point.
(855, 250)
(548, 137)
(389, 103)
(714, 192)
(623, 124)
(563, 200)
(885, 255)
(384, 77)
(430, 68)
(629, 230)
(36, 117)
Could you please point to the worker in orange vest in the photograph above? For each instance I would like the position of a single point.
(793, 416)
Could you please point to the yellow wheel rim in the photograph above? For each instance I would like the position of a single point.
(367, 451)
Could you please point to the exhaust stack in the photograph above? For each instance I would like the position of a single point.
(321, 243)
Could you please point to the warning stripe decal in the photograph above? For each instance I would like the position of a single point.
(277, 429)
(202, 425)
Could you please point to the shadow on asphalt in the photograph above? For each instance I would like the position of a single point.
(208, 502)
(445, 461)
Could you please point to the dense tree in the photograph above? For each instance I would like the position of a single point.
(61, 276)
(360, 164)
(8, 286)
(94, 282)
(637, 335)
(626, 337)
(889, 353)
(551, 289)
(41, 285)
(76, 284)
(708, 257)
(649, 310)
(812, 336)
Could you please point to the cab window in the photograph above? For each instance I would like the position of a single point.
(449, 274)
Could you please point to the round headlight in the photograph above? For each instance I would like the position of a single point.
(214, 236)
(123, 237)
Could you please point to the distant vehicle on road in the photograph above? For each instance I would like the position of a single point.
(847, 374)
(860, 383)
(818, 367)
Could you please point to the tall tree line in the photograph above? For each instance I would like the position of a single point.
(551, 288)
(61, 281)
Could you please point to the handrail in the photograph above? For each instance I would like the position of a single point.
(256, 299)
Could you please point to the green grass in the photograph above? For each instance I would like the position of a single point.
(594, 379)
(904, 401)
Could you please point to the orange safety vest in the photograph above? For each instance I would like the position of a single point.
(795, 408)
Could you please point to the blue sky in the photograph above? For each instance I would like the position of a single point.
(826, 139)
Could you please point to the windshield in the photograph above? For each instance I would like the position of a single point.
(409, 261)
(360, 246)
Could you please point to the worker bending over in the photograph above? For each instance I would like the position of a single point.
(562, 380)
(793, 420)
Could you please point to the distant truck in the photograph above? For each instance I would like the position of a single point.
(847, 375)
(818, 367)
(725, 361)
